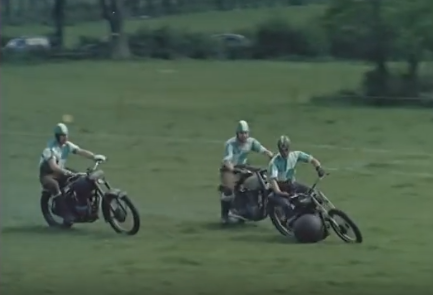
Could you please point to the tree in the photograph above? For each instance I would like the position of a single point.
(358, 29)
(113, 12)
(6, 10)
(413, 21)
(381, 30)
(58, 14)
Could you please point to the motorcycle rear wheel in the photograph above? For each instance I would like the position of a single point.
(47, 213)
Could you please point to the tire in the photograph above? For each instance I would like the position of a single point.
(277, 223)
(114, 223)
(48, 215)
(358, 236)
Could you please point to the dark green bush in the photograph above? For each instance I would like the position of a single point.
(277, 38)
(391, 87)
(90, 47)
(30, 55)
(168, 43)
(385, 89)
(5, 40)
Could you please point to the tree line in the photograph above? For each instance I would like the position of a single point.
(18, 12)
(377, 31)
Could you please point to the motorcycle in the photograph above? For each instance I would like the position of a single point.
(315, 202)
(251, 195)
(92, 188)
(253, 202)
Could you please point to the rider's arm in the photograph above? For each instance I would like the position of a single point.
(47, 154)
(56, 168)
(315, 162)
(85, 153)
(228, 157)
(273, 176)
(75, 149)
(259, 148)
(306, 158)
(275, 187)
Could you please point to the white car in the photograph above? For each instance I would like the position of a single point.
(26, 43)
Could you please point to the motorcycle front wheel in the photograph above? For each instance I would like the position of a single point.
(117, 214)
(342, 229)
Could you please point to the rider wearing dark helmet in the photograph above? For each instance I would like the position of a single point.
(282, 168)
(52, 171)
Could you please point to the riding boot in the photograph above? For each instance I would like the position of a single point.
(225, 209)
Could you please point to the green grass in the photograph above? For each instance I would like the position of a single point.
(163, 124)
(212, 22)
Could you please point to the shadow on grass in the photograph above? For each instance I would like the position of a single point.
(216, 226)
(279, 239)
(351, 99)
(41, 230)
(267, 239)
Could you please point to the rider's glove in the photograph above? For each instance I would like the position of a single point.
(100, 158)
(320, 171)
(68, 173)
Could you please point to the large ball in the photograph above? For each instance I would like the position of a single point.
(67, 118)
(309, 228)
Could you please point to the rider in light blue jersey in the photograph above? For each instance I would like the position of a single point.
(52, 171)
(281, 172)
(235, 153)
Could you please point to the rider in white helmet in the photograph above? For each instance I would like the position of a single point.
(281, 172)
(235, 153)
(52, 171)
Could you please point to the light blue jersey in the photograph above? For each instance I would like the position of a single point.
(283, 169)
(59, 153)
(237, 153)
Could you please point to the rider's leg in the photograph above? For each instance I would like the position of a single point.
(228, 181)
(283, 201)
(252, 183)
(52, 185)
(300, 188)
(304, 189)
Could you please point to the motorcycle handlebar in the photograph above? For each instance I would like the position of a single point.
(246, 170)
(95, 166)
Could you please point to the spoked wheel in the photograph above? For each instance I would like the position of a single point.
(48, 207)
(121, 212)
(279, 220)
(343, 225)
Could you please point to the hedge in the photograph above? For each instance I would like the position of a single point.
(272, 39)
(79, 11)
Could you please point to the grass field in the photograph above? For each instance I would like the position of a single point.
(212, 22)
(163, 124)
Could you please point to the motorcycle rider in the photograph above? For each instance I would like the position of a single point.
(281, 174)
(236, 151)
(52, 171)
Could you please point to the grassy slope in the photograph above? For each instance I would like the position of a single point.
(162, 125)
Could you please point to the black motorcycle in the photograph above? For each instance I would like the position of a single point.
(250, 204)
(315, 202)
(94, 189)
(256, 205)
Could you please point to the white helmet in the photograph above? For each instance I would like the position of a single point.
(242, 126)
